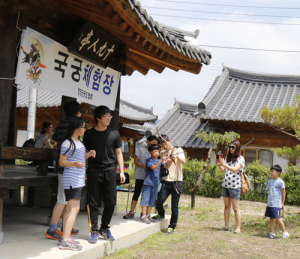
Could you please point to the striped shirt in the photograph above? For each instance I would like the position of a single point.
(72, 176)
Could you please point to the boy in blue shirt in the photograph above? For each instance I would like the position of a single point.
(276, 199)
(151, 183)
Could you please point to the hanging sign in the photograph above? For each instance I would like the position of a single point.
(94, 44)
(47, 65)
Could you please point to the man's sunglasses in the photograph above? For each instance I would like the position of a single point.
(231, 147)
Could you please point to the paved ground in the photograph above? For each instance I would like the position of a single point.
(24, 230)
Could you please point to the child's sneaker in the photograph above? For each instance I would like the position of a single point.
(106, 234)
(130, 215)
(151, 219)
(170, 231)
(145, 220)
(68, 245)
(285, 235)
(272, 235)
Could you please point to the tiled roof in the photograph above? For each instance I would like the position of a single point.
(46, 99)
(141, 129)
(180, 124)
(171, 36)
(238, 95)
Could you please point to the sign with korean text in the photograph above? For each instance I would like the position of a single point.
(94, 44)
(47, 65)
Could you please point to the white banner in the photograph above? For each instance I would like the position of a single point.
(47, 65)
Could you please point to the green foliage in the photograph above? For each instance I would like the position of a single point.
(291, 178)
(216, 138)
(291, 154)
(287, 117)
(259, 175)
(22, 162)
(130, 171)
(211, 185)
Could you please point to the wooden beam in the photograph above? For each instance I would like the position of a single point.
(27, 153)
(137, 66)
(15, 181)
(146, 62)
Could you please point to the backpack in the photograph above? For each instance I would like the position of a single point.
(29, 143)
(245, 186)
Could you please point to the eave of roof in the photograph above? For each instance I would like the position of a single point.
(128, 110)
(157, 46)
(238, 95)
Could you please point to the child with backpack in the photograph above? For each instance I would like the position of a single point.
(275, 202)
(151, 183)
(72, 158)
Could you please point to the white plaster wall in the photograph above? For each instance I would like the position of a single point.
(213, 157)
(21, 137)
(280, 161)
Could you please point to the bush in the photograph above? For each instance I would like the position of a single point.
(211, 185)
(291, 178)
(259, 175)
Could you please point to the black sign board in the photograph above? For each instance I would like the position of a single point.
(94, 44)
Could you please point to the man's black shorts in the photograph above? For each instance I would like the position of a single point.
(76, 193)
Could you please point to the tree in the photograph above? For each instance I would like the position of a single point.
(286, 120)
(214, 139)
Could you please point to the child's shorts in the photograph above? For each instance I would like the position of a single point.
(149, 195)
(273, 212)
(76, 193)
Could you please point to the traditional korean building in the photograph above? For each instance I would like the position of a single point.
(180, 124)
(49, 106)
(233, 103)
(143, 44)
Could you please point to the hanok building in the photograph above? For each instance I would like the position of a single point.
(180, 124)
(143, 44)
(233, 103)
(49, 106)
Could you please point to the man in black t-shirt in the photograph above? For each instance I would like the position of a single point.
(101, 172)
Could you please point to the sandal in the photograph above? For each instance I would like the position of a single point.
(237, 232)
(224, 229)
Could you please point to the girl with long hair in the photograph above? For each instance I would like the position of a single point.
(233, 165)
(72, 157)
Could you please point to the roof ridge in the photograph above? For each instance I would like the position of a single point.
(262, 77)
(143, 109)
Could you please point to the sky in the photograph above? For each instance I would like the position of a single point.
(159, 90)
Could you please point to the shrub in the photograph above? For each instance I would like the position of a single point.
(291, 178)
(211, 185)
(259, 175)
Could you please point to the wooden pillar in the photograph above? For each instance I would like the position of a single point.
(9, 36)
(115, 120)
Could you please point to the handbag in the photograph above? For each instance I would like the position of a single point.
(245, 183)
(164, 172)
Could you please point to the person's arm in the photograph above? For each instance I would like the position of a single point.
(91, 153)
(283, 197)
(180, 157)
(65, 163)
(233, 169)
(119, 157)
(154, 167)
(136, 162)
(221, 168)
(48, 145)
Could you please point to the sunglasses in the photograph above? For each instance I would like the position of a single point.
(231, 147)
